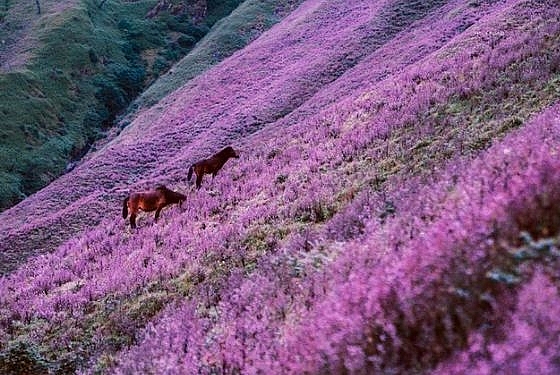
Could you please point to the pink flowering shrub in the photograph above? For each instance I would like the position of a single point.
(364, 228)
(413, 308)
(389, 303)
(372, 311)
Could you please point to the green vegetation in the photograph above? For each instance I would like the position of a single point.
(3, 9)
(107, 324)
(88, 63)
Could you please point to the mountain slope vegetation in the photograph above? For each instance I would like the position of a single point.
(68, 72)
(394, 209)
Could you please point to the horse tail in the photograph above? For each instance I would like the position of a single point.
(125, 207)
(189, 175)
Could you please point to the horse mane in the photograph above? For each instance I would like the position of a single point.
(170, 195)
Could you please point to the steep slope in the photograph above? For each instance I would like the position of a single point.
(361, 201)
(68, 72)
(17, 20)
(216, 41)
(241, 101)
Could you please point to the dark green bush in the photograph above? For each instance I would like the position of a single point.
(93, 56)
(160, 65)
(186, 41)
(182, 24)
(115, 89)
(109, 95)
(172, 52)
(129, 78)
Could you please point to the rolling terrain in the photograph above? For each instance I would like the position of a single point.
(394, 209)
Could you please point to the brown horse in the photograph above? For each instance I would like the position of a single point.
(211, 165)
(150, 201)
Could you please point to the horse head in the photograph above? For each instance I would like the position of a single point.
(180, 197)
(175, 197)
(230, 152)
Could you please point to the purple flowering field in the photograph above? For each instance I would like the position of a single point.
(395, 209)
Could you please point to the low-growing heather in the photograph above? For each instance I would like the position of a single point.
(376, 220)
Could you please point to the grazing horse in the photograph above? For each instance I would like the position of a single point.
(211, 165)
(150, 201)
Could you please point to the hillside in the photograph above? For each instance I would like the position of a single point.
(67, 73)
(394, 209)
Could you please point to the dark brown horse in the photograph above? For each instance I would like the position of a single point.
(150, 201)
(211, 165)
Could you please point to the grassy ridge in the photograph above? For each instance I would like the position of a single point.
(228, 35)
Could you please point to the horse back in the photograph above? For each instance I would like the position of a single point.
(147, 201)
(215, 163)
(203, 167)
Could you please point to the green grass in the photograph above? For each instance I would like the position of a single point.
(4, 6)
(107, 326)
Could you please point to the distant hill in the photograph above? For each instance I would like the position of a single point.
(394, 208)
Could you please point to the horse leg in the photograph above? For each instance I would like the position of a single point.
(133, 220)
(125, 207)
(213, 175)
(198, 180)
(157, 212)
